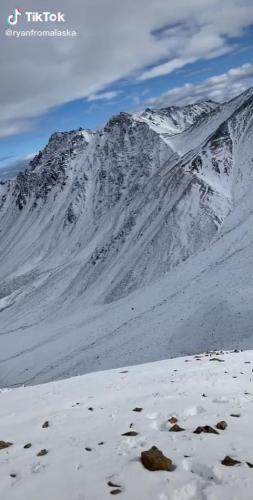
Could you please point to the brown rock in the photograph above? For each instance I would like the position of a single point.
(207, 429)
(176, 428)
(42, 453)
(130, 433)
(154, 459)
(45, 425)
(28, 445)
(217, 359)
(229, 461)
(173, 420)
(222, 425)
(4, 444)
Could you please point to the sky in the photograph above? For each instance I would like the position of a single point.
(122, 56)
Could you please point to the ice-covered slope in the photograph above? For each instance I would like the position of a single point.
(175, 119)
(98, 216)
(87, 457)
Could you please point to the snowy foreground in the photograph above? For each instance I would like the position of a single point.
(87, 416)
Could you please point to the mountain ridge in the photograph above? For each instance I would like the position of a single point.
(97, 217)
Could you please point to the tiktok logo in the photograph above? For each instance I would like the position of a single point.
(13, 18)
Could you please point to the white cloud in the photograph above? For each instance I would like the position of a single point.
(218, 88)
(116, 40)
(104, 96)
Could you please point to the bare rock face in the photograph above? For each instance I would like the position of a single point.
(4, 444)
(154, 459)
(229, 462)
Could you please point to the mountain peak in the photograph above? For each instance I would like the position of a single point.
(135, 209)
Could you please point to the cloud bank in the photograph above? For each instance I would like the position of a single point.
(116, 40)
(218, 88)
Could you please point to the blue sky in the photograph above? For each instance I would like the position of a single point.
(183, 74)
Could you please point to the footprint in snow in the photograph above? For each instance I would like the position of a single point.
(209, 473)
(194, 410)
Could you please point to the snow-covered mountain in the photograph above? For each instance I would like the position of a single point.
(129, 244)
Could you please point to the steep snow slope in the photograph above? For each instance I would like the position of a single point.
(118, 211)
(207, 124)
(174, 120)
(86, 419)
